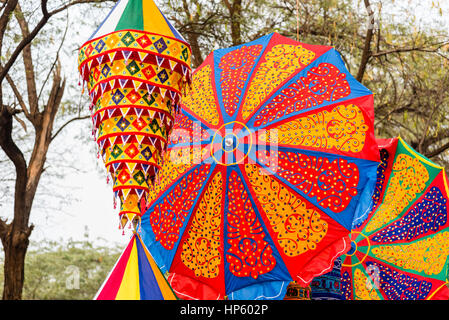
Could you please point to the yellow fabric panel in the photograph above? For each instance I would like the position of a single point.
(130, 289)
(153, 21)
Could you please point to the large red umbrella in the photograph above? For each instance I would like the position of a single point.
(271, 157)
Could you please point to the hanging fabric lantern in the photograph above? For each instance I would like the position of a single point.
(136, 66)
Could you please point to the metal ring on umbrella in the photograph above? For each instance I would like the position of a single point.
(270, 159)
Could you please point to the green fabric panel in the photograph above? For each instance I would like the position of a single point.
(132, 17)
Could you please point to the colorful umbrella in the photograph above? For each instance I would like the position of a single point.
(271, 156)
(400, 252)
(297, 292)
(135, 276)
(135, 65)
(328, 285)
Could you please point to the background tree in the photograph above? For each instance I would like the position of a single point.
(66, 269)
(31, 94)
(386, 45)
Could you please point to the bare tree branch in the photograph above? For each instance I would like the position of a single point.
(68, 122)
(9, 7)
(437, 151)
(432, 48)
(25, 41)
(56, 57)
(18, 96)
(366, 54)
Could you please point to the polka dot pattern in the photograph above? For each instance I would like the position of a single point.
(322, 83)
(408, 178)
(186, 130)
(332, 183)
(236, 67)
(346, 285)
(297, 226)
(201, 248)
(362, 291)
(249, 254)
(380, 182)
(169, 215)
(397, 286)
(428, 255)
(427, 215)
(201, 99)
(277, 65)
(176, 163)
(342, 128)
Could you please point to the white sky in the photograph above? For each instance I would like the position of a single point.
(94, 209)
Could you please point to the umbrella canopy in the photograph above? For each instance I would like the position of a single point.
(135, 276)
(272, 155)
(400, 252)
(136, 66)
(328, 285)
(297, 292)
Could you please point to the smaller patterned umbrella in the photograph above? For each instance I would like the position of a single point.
(400, 252)
(135, 276)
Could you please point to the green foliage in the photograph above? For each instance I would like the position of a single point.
(73, 270)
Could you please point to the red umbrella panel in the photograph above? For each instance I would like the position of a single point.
(400, 252)
(270, 160)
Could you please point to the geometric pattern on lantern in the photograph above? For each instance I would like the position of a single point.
(131, 131)
(112, 45)
(136, 71)
(122, 101)
(135, 81)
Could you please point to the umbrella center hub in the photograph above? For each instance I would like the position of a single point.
(231, 143)
(353, 249)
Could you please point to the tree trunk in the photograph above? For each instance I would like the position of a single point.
(235, 18)
(15, 247)
(14, 236)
